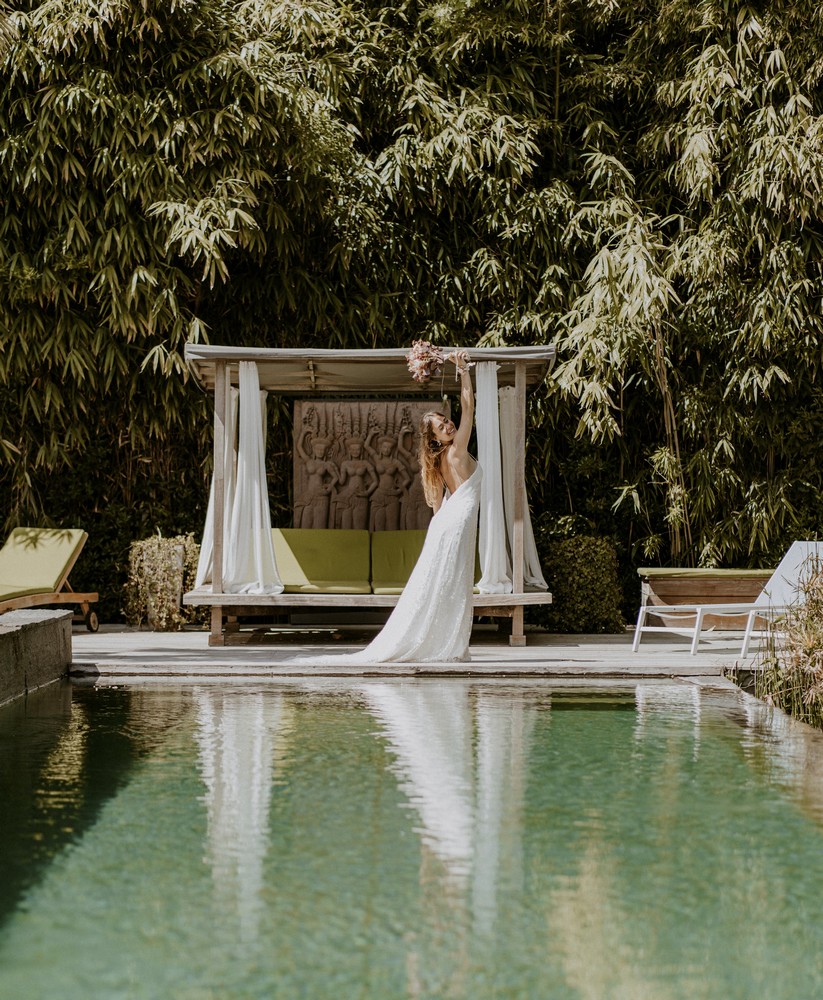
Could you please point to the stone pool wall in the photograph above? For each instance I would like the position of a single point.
(35, 649)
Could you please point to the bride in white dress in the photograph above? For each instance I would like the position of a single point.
(433, 617)
(432, 620)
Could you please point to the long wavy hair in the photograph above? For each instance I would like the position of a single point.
(430, 452)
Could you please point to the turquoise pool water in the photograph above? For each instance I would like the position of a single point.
(422, 839)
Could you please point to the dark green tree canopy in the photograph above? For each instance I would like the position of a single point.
(639, 182)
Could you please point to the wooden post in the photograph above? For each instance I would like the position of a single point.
(221, 398)
(518, 637)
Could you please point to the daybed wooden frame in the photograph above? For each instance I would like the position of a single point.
(333, 373)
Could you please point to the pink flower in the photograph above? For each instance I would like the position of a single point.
(424, 361)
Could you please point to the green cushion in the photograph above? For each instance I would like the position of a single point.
(322, 560)
(8, 591)
(393, 555)
(37, 560)
(330, 587)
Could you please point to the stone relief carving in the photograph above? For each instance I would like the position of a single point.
(355, 465)
(321, 477)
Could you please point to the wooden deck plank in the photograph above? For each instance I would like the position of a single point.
(125, 652)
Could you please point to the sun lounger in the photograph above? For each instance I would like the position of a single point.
(783, 590)
(34, 570)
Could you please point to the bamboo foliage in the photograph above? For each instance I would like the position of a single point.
(716, 304)
(638, 182)
(146, 145)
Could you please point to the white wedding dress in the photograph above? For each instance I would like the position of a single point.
(432, 619)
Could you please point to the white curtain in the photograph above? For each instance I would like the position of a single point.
(494, 562)
(205, 562)
(496, 421)
(248, 549)
(532, 574)
(242, 740)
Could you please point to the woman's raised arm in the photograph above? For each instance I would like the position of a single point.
(464, 430)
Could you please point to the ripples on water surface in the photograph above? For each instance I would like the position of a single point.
(422, 839)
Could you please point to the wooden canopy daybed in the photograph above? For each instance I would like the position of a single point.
(354, 373)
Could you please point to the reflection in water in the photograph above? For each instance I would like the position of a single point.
(504, 729)
(679, 699)
(787, 751)
(461, 757)
(64, 753)
(430, 839)
(586, 924)
(431, 732)
(36, 785)
(239, 736)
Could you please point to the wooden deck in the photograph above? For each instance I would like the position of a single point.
(130, 654)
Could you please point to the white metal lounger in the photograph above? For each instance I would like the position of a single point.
(783, 590)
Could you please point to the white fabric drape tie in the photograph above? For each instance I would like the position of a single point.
(205, 562)
(532, 573)
(248, 564)
(496, 429)
(494, 562)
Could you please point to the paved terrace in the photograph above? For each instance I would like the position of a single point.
(123, 653)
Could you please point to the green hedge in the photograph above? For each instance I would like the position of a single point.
(583, 579)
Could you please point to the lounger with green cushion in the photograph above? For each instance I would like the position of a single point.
(34, 570)
(322, 560)
(784, 589)
(393, 555)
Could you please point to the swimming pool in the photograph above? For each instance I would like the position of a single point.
(429, 838)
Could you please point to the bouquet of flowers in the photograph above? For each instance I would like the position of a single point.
(425, 361)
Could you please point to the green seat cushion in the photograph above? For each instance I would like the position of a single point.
(330, 587)
(322, 560)
(37, 560)
(8, 591)
(393, 556)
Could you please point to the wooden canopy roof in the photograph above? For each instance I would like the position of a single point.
(297, 372)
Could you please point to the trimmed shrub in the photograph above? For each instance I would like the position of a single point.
(160, 571)
(583, 580)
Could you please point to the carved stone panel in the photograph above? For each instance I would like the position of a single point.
(355, 465)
